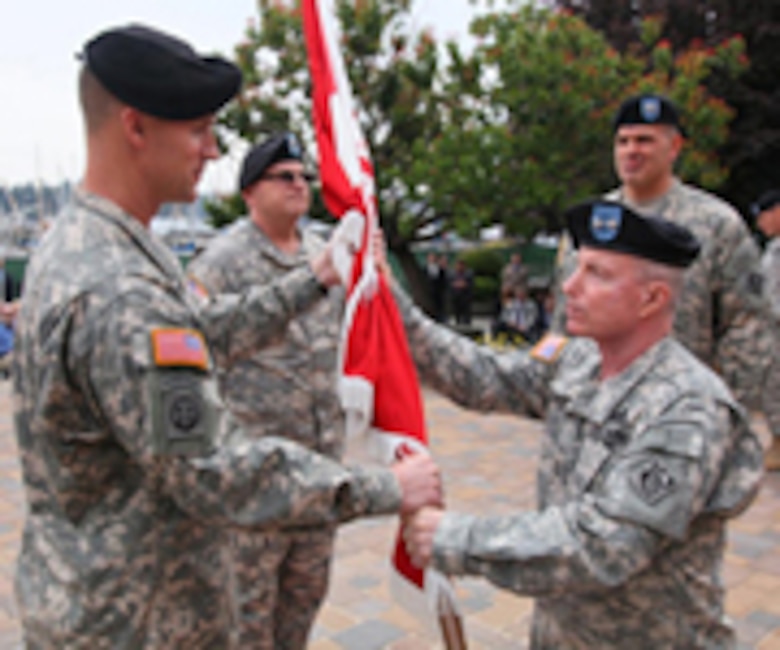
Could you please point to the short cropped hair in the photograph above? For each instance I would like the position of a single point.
(672, 276)
(97, 104)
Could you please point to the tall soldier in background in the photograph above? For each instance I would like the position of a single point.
(120, 428)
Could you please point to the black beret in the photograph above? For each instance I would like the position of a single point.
(613, 226)
(766, 201)
(160, 74)
(280, 146)
(647, 109)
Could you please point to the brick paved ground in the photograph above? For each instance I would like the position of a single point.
(488, 463)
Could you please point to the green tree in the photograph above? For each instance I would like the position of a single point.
(542, 87)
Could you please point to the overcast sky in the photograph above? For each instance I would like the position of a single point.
(42, 136)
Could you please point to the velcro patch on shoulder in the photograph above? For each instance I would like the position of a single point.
(549, 347)
(179, 346)
(197, 289)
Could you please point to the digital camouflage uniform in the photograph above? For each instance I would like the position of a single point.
(287, 389)
(127, 492)
(720, 315)
(637, 477)
(771, 269)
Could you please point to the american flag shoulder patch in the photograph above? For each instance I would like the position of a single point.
(179, 346)
(197, 288)
(549, 347)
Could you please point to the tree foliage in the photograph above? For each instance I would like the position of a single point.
(510, 131)
(539, 131)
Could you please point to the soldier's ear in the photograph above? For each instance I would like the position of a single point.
(133, 125)
(656, 296)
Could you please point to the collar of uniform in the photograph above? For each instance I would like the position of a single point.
(597, 403)
(270, 250)
(140, 234)
(662, 205)
(577, 371)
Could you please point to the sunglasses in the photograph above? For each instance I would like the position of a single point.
(289, 177)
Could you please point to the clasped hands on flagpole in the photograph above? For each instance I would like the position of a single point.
(419, 526)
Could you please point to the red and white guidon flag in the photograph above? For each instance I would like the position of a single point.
(378, 383)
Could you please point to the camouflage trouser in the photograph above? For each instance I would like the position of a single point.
(279, 580)
(771, 393)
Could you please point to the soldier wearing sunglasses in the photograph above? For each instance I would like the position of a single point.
(286, 390)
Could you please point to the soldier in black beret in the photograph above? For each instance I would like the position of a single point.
(765, 203)
(122, 432)
(281, 576)
(149, 101)
(648, 109)
(160, 74)
(274, 149)
(644, 457)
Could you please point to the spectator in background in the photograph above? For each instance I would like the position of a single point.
(461, 288)
(11, 288)
(9, 305)
(514, 275)
(436, 271)
(546, 302)
(518, 317)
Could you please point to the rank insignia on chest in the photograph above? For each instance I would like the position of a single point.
(176, 347)
(549, 348)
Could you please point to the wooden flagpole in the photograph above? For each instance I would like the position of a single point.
(450, 623)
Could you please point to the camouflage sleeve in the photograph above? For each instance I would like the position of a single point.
(645, 498)
(274, 482)
(742, 343)
(771, 269)
(237, 325)
(473, 375)
(162, 408)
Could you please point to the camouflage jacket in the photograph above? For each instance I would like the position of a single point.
(117, 413)
(288, 388)
(636, 479)
(721, 314)
(770, 265)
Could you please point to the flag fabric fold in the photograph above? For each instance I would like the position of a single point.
(378, 383)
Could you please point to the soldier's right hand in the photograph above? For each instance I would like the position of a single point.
(333, 265)
(420, 482)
